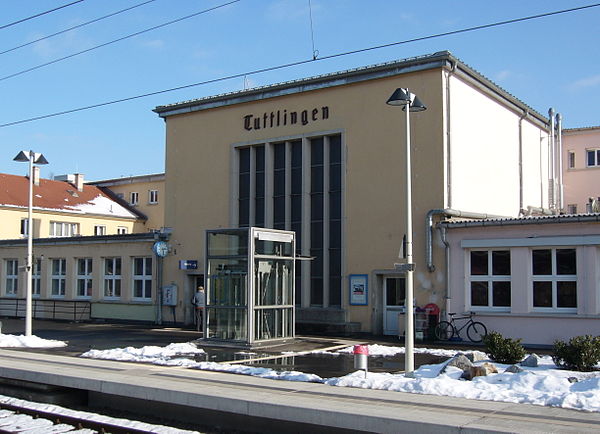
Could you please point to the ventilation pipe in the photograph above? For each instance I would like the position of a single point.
(559, 151)
(447, 213)
(551, 162)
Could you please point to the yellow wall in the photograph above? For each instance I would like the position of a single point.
(154, 212)
(11, 223)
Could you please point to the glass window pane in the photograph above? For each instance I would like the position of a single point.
(316, 207)
(316, 151)
(335, 177)
(316, 179)
(279, 156)
(479, 294)
(316, 292)
(244, 187)
(542, 294)
(479, 263)
(279, 183)
(297, 153)
(279, 209)
(566, 261)
(335, 149)
(501, 263)
(501, 294)
(260, 158)
(542, 262)
(245, 160)
(335, 205)
(566, 294)
(395, 291)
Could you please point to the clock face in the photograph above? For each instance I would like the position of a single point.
(161, 248)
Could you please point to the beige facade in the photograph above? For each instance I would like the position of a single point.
(324, 156)
(145, 193)
(581, 169)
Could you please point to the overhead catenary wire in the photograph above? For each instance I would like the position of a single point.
(22, 20)
(76, 27)
(297, 63)
(87, 50)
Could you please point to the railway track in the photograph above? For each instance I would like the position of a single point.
(21, 419)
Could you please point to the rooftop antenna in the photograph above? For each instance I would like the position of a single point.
(315, 53)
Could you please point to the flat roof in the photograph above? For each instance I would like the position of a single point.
(442, 59)
(516, 221)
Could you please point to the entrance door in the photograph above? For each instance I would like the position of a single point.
(394, 295)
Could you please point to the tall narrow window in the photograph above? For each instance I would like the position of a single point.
(554, 279)
(24, 227)
(142, 278)
(316, 220)
(134, 198)
(571, 157)
(99, 230)
(279, 186)
(112, 277)
(335, 220)
(59, 273)
(36, 274)
(489, 278)
(296, 208)
(244, 188)
(12, 276)
(84, 277)
(153, 197)
(259, 186)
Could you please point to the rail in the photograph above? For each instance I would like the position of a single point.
(71, 310)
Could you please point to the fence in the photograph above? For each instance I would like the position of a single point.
(71, 310)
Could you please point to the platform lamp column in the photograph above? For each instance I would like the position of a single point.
(409, 103)
(32, 158)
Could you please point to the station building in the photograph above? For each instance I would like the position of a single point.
(325, 157)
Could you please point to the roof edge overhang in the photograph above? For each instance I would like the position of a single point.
(97, 239)
(524, 221)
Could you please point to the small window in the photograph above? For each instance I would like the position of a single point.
(84, 277)
(59, 273)
(99, 230)
(142, 278)
(121, 230)
(134, 198)
(153, 196)
(112, 278)
(571, 159)
(24, 227)
(12, 276)
(593, 157)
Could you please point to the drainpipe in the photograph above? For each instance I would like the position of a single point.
(448, 213)
(449, 138)
(442, 230)
(521, 200)
(561, 205)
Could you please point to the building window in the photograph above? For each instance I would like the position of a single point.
(36, 274)
(121, 230)
(152, 197)
(99, 230)
(12, 276)
(489, 278)
(134, 198)
(59, 272)
(593, 157)
(554, 279)
(572, 208)
(84, 277)
(298, 185)
(142, 278)
(571, 159)
(64, 229)
(112, 277)
(24, 227)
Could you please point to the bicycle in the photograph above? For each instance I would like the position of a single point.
(446, 330)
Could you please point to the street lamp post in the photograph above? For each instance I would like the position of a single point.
(410, 103)
(32, 158)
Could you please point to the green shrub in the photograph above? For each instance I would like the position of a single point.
(582, 353)
(503, 350)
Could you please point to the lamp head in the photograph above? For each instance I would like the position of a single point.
(416, 105)
(400, 97)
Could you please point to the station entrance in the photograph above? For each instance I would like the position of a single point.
(249, 286)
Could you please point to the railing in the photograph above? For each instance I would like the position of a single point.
(71, 310)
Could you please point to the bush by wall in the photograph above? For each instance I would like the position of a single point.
(582, 353)
(503, 350)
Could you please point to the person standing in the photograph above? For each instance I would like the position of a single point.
(199, 302)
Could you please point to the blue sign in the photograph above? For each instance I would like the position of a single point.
(188, 264)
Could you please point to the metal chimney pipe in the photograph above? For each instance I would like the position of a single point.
(561, 198)
(551, 162)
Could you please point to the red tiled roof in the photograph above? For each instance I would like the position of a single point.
(59, 196)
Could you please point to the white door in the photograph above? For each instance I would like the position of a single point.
(394, 295)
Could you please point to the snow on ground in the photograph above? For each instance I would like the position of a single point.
(21, 341)
(543, 385)
(11, 422)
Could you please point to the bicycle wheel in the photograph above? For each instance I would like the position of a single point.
(444, 331)
(476, 331)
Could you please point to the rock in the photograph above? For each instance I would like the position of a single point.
(531, 361)
(513, 369)
(475, 356)
(572, 379)
(480, 371)
(459, 361)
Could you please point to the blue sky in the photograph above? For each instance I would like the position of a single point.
(547, 62)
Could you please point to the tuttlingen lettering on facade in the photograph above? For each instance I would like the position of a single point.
(283, 117)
